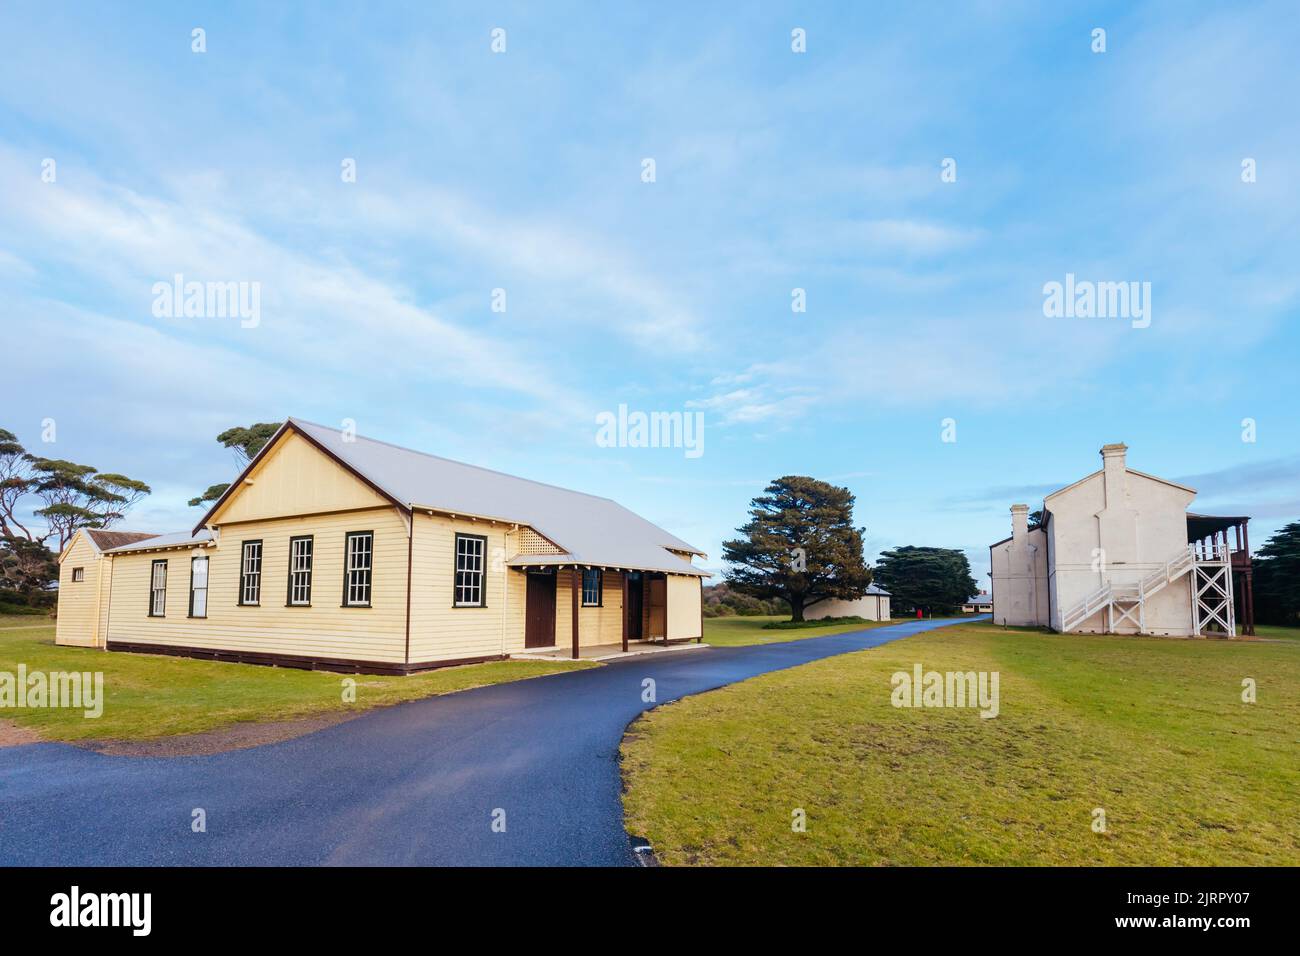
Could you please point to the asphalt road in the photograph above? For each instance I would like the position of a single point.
(419, 783)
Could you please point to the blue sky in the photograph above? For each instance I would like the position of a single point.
(774, 170)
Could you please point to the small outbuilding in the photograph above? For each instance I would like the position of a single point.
(83, 585)
(872, 606)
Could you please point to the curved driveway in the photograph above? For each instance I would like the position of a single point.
(417, 783)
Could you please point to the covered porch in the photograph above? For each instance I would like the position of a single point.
(596, 612)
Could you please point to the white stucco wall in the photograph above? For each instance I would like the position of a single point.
(1019, 572)
(871, 607)
(1117, 526)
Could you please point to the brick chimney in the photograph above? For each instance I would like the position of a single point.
(1113, 464)
(1019, 523)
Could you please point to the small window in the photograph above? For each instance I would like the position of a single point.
(300, 555)
(469, 570)
(591, 590)
(198, 587)
(358, 555)
(158, 589)
(250, 573)
(78, 574)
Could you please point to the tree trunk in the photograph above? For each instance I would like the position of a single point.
(796, 609)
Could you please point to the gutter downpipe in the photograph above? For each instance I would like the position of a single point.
(108, 617)
(410, 554)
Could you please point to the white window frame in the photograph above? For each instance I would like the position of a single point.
(469, 586)
(302, 549)
(158, 588)
(195, 589)
(250, 573)
(358, 568)
(600, 587)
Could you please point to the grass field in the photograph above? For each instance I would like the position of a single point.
(738, 631)
(1276, 633)
(149, 696)
(1151, 731)
(25, 620)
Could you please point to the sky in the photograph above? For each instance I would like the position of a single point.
(924, 374)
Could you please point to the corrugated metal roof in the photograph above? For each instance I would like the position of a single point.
(591, 529)
(174, 539)
(873, 590)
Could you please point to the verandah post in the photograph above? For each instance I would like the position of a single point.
(577, 590)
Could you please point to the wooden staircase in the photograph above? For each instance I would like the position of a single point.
(1211, 594)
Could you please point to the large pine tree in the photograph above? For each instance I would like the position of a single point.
(799, 545)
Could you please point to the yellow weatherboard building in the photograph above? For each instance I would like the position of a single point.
(334, 551)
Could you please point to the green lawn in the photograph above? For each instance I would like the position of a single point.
(148, 696)
(25, 620)
(1152, 731)
(1276, 633)
(737, 631)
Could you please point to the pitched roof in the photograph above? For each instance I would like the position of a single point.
(1131, 471)
(591, 530)
(875, 590)
(105, 540)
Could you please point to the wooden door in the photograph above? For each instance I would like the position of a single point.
(658, 607)
(635, 605)
(539, 611)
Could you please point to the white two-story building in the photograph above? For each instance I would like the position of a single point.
(1118, 552)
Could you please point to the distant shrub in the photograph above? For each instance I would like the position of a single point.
(823, 622)
(720, 596)
(7, 608)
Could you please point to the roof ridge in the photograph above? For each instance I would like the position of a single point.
(463, 464)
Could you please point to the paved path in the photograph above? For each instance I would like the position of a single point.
(412, 784)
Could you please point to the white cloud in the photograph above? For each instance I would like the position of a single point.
(319, 308)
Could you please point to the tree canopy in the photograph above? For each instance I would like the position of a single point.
(71, 495)
(66, 496)
(1276, 578)
(800, 545)
(245, 443)
(933, 579)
